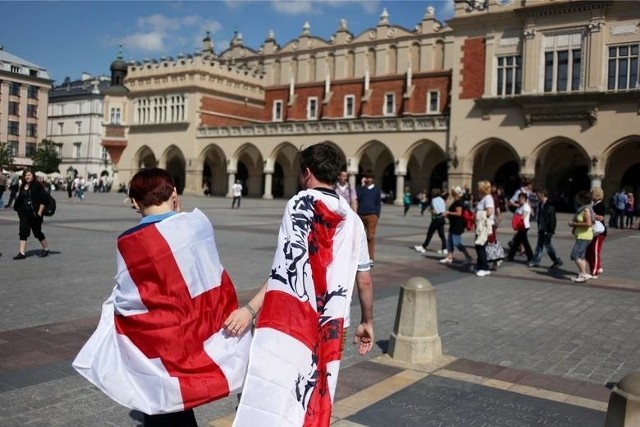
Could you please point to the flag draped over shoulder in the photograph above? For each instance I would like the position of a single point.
(160, 346)
(296, 349)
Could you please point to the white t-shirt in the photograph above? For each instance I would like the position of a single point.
(525, 211)
(487, 202)
(237, 190)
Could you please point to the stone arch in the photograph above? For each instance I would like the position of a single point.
(351, 64)
(497, 161)
(392, 60)
(620, 163)
(249, 168)
(144, 159)
(414, 55)
(438, 55)
(174, 162)
(376, 156)
(285, 170)
(562, 166)
(371, 61)
(426, 167)
(312, 69)
(214, 169)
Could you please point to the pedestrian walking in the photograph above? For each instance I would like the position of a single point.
(3, 187)
(456, 227)
(438, 209)
(30, 204)
(343, 188)
(521, 238)
(159, 347)
(303, 308)
(630, 210)
(582, 229)
(236, 190)
(369, 209)
(407, 199)
(619, 204)
(485, 217)
(547, 221)
(14, 188)
(594, 250)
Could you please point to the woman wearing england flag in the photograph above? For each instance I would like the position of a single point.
(160, 347)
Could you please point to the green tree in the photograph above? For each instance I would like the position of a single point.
(46, 157)
(6, 158)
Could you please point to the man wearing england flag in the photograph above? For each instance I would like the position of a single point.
(160, 347)
(302, 310)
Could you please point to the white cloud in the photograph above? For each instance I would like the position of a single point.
(293, 7)
(147, 42)
(161, 34)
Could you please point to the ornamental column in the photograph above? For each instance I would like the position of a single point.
(268, 179)
(232, 180)
(401, 172)
(596, 180)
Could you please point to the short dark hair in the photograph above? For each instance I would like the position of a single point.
(368, 174)
(544, 192)
(151, 187)
(323, 161)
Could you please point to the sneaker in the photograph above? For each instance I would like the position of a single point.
(533, 264)
(587, 276)
(44, 253)
(579, 279)
(371, 264)
(19, 256)
(482, 273)
(446, 261)
(420, 249)
(443, 252)
(600, 271)
(557, 264)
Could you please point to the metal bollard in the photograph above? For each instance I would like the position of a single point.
(624, 403)
(415, 334)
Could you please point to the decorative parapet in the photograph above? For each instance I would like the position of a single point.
(404, 124)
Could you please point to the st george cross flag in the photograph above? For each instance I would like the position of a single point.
(296, 349)
(160, 346)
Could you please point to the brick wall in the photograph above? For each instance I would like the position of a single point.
(472, 69)
(237, 109)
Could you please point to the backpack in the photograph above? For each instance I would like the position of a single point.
(50, 206)
(469, 219)
(517, 223)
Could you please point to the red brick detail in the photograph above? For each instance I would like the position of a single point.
(270, 97)
(379, 89)
(115, 148)
(244, 113)
(114, 131)
(472, 69)
(422, 85)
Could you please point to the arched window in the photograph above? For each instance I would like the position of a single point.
(312, 68)
(415, 57)
(392, 60)
(351, 64)
(276, 72)
(371, 61)
(438, 55)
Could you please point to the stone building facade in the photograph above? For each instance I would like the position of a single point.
(504, 89)
(24, 90)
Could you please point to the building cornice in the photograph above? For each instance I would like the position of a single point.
(21, 77)
(439, 123)
(557, 8)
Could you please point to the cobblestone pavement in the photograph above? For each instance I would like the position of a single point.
(520, 318)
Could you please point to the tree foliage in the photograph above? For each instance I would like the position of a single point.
(6, 158)
(46, 157)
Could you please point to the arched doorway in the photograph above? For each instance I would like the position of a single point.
(214, 171)
(249, 170)
(377, 157)
(426, 168)
(631, 180)
(508, 177)
(623, 166)
(176, 166)
(285, 171)
(496, 161)
(144, 159)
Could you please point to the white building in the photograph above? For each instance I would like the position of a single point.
(75, 125)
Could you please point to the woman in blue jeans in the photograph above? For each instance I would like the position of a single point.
(456, 228)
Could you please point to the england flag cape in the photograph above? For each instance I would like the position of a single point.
(160, 346)
(295, 354)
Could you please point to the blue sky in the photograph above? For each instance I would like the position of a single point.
(69, 37)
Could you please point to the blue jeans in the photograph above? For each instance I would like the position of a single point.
(544, 242)
(455, 241)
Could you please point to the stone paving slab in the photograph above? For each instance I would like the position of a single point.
(438, 401)
(519, 321)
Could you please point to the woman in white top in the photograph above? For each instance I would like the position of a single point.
(485, 211)
(521, 237)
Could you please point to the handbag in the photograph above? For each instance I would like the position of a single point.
(495, 252)
(517, 223)
(598, 227)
